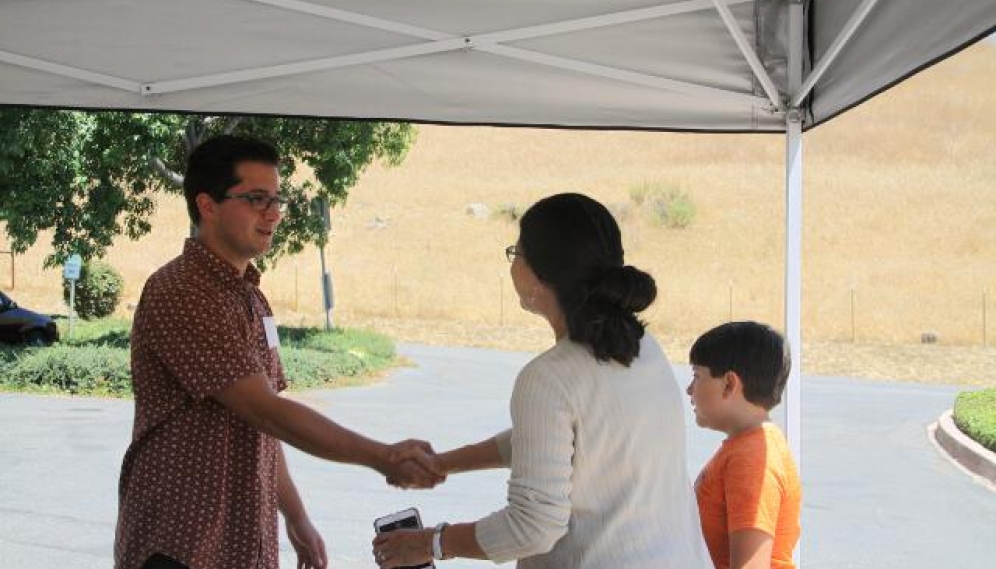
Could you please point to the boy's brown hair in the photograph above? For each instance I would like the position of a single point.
(754, 351)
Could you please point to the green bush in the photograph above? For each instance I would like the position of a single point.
(975, 415)
(71, 369)
(315, 358)
(96, 360)
(673, 209)
(668, 205)
(98, 290)
(8, 355)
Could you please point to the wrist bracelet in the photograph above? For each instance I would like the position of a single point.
(437, 541)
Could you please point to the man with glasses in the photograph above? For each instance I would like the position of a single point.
(205, 474)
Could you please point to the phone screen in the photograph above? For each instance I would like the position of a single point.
(410, 522)
(403, 523)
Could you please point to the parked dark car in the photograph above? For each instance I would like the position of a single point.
(22, 326)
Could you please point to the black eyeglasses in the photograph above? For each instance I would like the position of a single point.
(259, 202)
(510, 252)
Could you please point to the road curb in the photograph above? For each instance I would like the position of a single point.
(976, 459)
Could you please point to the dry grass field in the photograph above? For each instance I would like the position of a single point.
(900, 232)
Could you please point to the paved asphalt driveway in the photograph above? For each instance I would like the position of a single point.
(877, 493)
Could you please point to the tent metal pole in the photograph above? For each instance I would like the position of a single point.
(793, 237)
(616, 74)
(793, 240)
(748, 52)
(71, 72)
(832, 52)
(793, 277)
(530, 32)
(283, 70)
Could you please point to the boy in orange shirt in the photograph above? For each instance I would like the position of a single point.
(749, 493)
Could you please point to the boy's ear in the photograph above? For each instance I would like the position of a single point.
(732, 384)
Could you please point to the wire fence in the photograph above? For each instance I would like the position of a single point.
(848, 314)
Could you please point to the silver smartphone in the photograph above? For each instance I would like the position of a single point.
(405, 519)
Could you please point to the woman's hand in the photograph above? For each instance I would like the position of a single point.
(403, 548)
(307, 543)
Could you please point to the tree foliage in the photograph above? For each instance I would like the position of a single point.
(89, 177)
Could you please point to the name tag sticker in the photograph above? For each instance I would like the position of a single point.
(270, 327)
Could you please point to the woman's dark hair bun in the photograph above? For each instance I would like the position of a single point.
(573, 244)
(627, 287)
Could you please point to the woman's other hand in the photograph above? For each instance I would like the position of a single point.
(403, 548)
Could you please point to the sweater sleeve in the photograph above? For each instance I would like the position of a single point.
(503, 441)
(539, 486)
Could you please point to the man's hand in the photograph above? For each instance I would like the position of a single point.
(307, 543)
(413, 464)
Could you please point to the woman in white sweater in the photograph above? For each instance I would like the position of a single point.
(596, 450)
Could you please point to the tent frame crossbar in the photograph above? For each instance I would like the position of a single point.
(722, 6)
(72, 72)
(855, 21)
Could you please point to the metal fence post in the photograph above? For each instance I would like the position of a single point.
(501, 298)
(985, 320)
(854, 336)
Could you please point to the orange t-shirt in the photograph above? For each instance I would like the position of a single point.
(751, 483)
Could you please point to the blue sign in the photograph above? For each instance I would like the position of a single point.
(71, 270)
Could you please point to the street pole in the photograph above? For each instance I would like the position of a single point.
(320, 206)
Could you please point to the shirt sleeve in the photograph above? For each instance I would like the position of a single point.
(753, 493)
(539, 486)
(205, 349)
(503, 441)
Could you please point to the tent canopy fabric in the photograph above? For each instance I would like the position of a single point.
(700, 65)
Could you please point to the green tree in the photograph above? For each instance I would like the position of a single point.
(90, 177)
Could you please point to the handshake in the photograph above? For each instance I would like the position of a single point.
(412, 464)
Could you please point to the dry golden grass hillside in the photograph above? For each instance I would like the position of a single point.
(900, 228)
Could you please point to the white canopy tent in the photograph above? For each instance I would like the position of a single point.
(689, 65)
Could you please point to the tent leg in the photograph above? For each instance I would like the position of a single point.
(793, 281)
(793, 239)
(792, 407)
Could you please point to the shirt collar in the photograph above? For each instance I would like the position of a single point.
(197, 253)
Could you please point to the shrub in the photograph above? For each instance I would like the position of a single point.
(508, 212)
(98, 290)
(673, 209)
(975, 415)
(669, 206)
(639, 193)
(96, 360)
(316, 358)
(69, 369)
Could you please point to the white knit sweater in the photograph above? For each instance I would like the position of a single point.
(598, 470)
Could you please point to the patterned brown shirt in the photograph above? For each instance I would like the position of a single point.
(197, 483)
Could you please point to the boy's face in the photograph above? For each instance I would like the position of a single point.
(709, 398)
